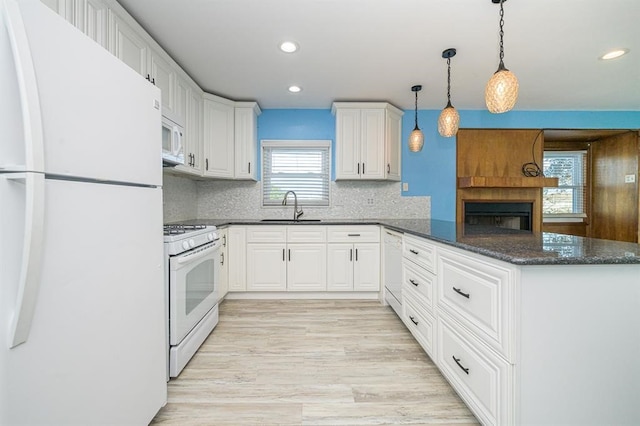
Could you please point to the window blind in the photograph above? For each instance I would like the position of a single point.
(569, 197)
(295, 167)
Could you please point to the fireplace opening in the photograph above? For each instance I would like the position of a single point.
(497, 217)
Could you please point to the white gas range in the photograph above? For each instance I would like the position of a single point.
(191, 289)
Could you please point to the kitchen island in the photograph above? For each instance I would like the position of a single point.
(528, 328)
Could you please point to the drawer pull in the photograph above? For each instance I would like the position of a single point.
(413, 251)
(457, 360)
(413, 282)
(353, 235)
(414, 321)
(461, 293)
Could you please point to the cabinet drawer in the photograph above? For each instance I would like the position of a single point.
(306, 234)
(354, 234)
(419, 322)
(419, 251)
(266, 234)
(421, 280)
(478, 294)
(481, 378)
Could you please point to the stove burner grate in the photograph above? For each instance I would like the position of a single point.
(181, 229)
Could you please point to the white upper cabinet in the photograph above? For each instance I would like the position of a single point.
(246, 139)
(127, 45)
(92, 19)
(64, 8)
(218, 137)
(192, 140)
(163, 75)
(367, 140)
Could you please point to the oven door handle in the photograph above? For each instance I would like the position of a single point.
(193, 257)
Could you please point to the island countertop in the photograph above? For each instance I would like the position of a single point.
(519, 248)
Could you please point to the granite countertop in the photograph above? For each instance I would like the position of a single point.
(516, 247)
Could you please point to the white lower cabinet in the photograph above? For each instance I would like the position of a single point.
(307, 267)
(482, 378)
(419, 321)
(353, 267)
(223, 266)
(237, 258)
(353, 258)
(266, 267)
(278, 261)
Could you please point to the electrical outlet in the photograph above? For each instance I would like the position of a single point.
(629, 178)
(405, 186)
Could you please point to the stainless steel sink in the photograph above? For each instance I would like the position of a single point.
(290, 220)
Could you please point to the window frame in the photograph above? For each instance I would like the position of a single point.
(571, 217)
(294, 144)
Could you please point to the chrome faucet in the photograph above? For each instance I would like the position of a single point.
(296, 212)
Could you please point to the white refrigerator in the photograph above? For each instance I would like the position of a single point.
(82, 327)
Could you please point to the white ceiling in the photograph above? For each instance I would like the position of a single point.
(375, 50)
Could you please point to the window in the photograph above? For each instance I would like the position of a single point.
(569, 198)
(300, 166)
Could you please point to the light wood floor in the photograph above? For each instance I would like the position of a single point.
(311, 363)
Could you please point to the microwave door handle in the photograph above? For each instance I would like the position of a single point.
(193, 257)
(177, 140)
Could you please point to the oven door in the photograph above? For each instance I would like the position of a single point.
(192, 289)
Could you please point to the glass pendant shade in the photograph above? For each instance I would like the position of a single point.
(416, 140)
(448, 122)
(501, 92)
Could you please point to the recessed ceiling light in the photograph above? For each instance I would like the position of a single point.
(614, 54)
(295, 89)
(288, 47)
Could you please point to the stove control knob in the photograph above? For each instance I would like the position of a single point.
(210, 236)
(192, 243)
(185, 245)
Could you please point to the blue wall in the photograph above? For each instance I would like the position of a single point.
(432, 171)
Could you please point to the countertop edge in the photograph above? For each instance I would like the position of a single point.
(532, 260)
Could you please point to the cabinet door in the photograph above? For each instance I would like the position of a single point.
(127, 45)
(218, 139)
(340, 267)
(64, 8)
(246, 139)
(237, 260)
(164, 77)
(393, 147)
(223, 266)
(181, 98)
(266, 267)
(306, 267)
(372, 149)
(366, 267)
(193, 133)
(348, 144)
(91, 18)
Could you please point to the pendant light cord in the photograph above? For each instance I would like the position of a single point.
(416, 128)
(448, 81)
(501, 66)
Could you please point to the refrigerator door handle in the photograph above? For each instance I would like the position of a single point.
(27, 88)
(32, 244)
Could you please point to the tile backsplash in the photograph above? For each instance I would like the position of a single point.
(185, 199)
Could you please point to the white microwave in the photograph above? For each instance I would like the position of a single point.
(172, 148)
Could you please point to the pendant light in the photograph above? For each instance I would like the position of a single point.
(502, 89)
(449, 119)
(416, 138)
